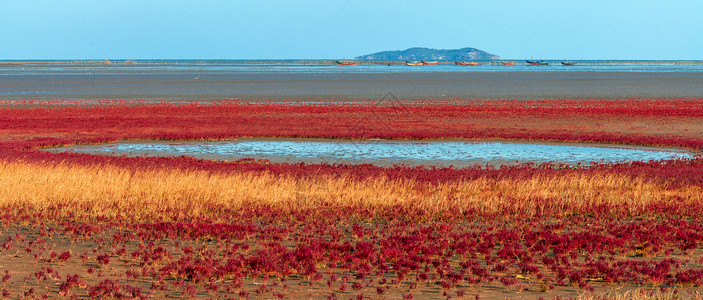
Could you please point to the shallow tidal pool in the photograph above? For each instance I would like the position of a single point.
(386, 152)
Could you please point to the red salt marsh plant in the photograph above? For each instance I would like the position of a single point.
(394, 258)
(560, 227)
(671, 122)
(116, 227)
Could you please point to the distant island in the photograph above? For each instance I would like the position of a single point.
(428, 54)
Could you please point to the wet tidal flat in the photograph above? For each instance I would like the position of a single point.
(293, 82)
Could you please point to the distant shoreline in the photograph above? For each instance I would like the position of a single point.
(321, 61)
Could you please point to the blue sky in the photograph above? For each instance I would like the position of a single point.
(261, 29)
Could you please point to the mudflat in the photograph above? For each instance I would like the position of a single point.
(193, 84)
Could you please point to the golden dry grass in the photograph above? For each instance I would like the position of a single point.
(87, 192)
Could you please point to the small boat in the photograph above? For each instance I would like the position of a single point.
(413, 63)
(508, 63)
(346, 63)
(568, 63)
(430, 63)
(466, 63)
(537, 63)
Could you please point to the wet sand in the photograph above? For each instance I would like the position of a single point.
(339, 85)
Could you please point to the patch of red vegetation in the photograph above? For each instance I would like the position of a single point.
(264, 253)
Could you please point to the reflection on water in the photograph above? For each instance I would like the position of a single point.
(383, 152)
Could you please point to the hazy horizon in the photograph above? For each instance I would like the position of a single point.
(244, 30)
(121, 59)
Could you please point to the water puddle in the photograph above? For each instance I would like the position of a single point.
(385, 152)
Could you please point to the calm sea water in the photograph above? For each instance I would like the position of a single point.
(323, 79)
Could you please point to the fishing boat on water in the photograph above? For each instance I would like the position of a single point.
(568, 63)
(346, 63)
(508, 63)
(466, 63)
(413, 63)
(430, 63)
(537, 63)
